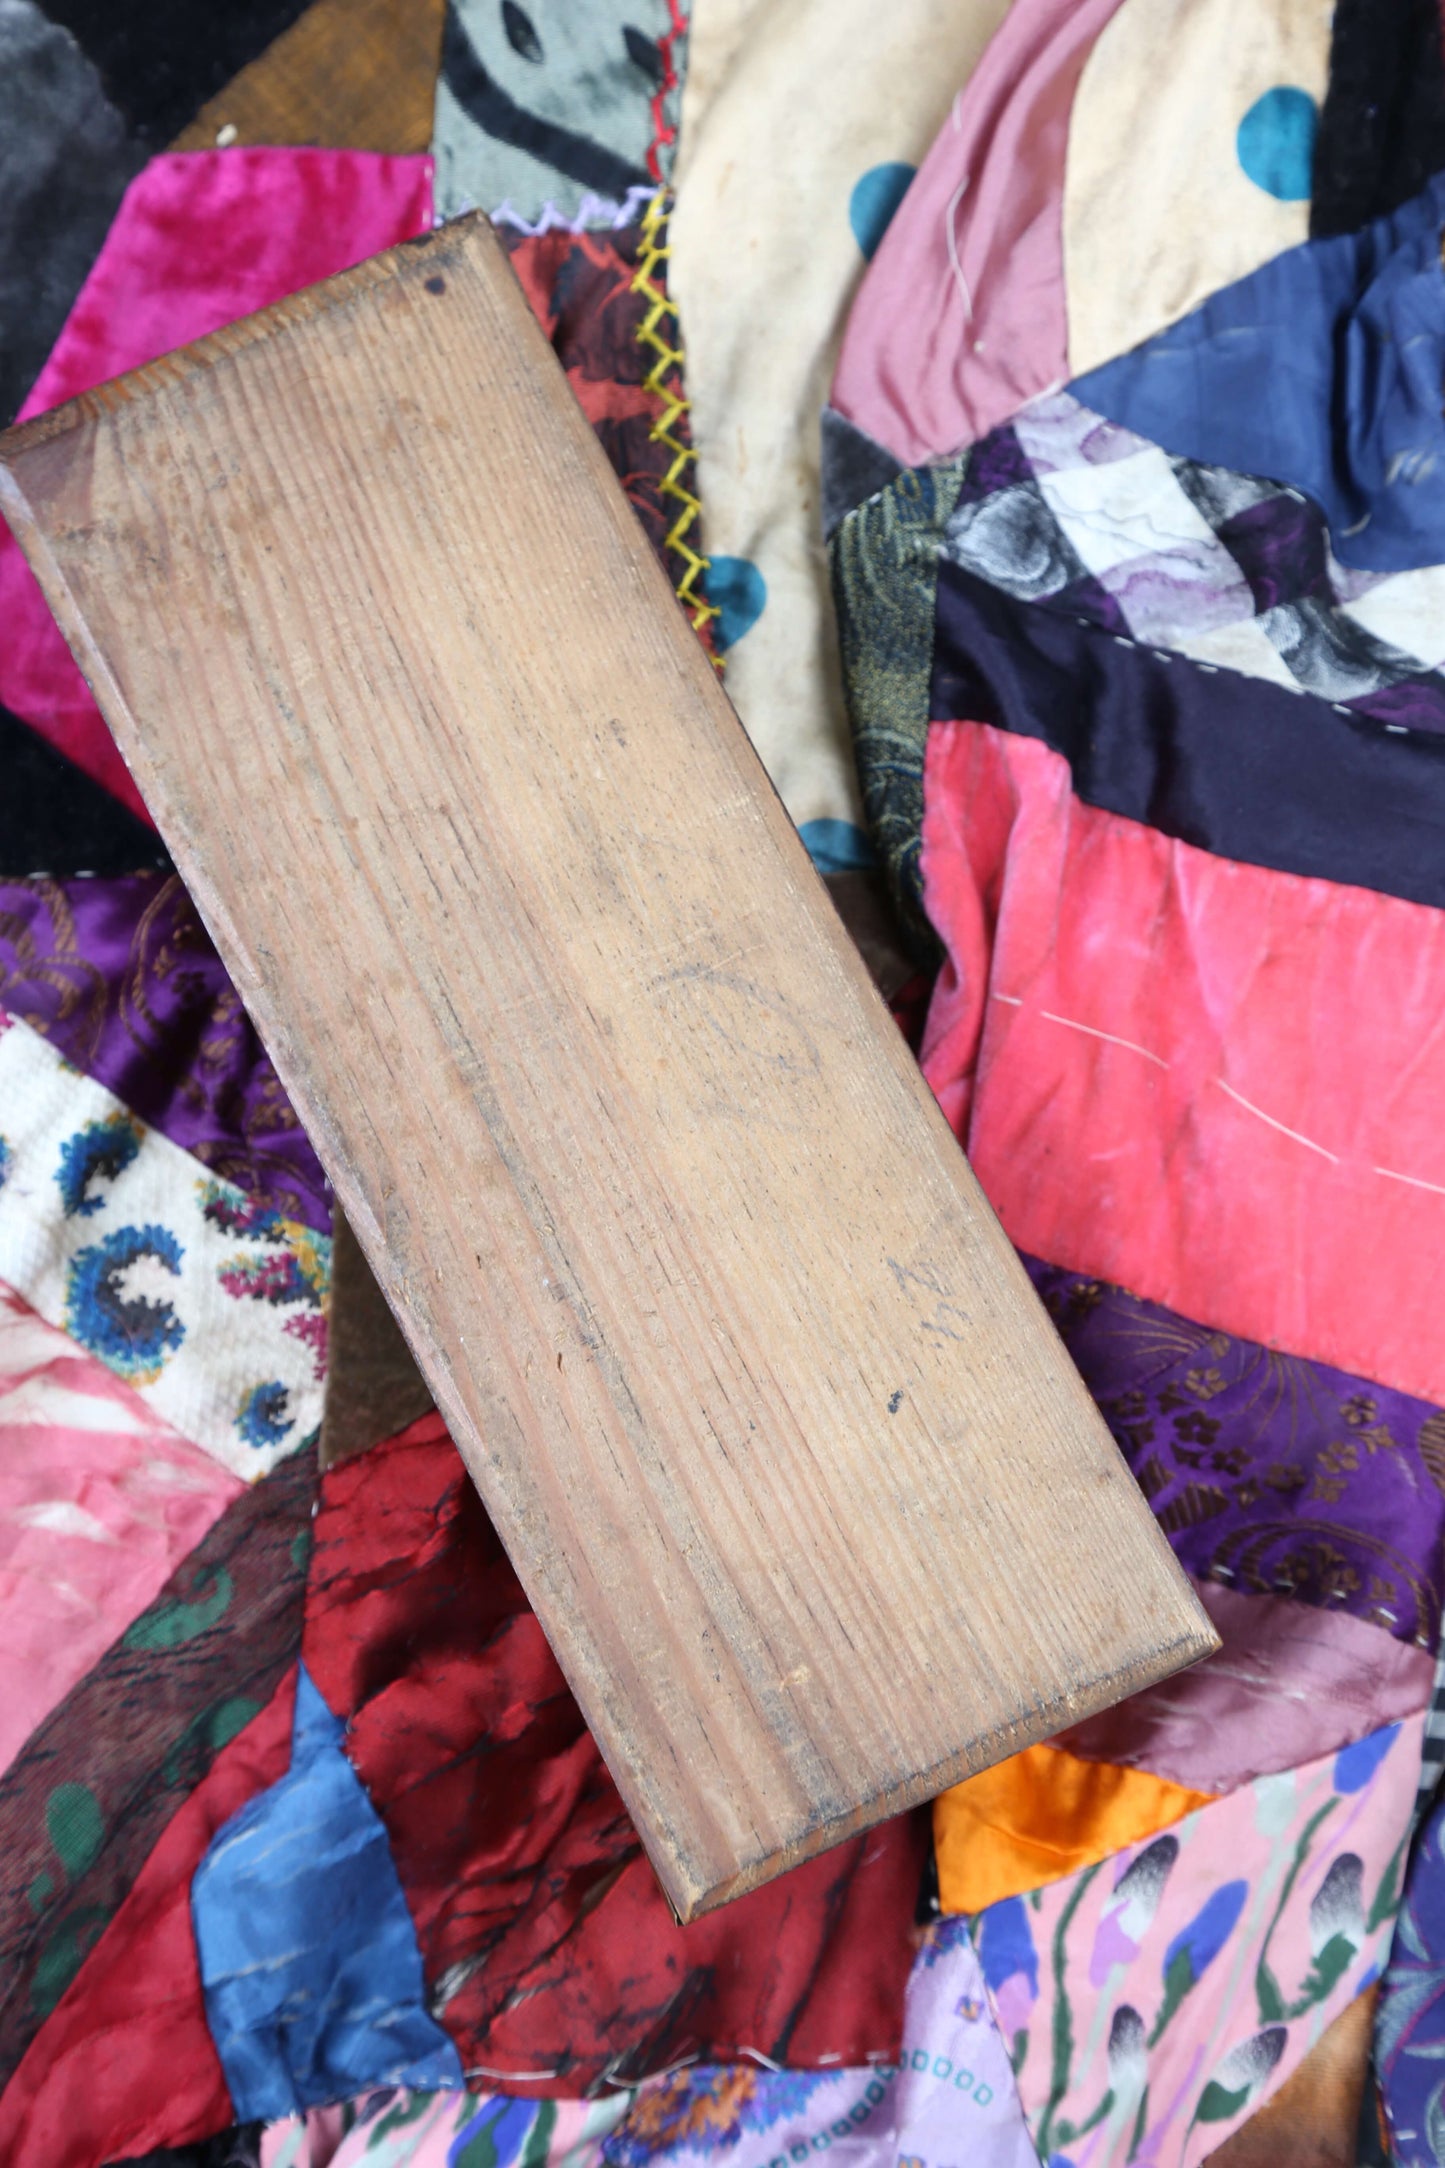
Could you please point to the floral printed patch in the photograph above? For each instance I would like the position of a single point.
(950, 2099)
(207, 1301)
(1155, 1999)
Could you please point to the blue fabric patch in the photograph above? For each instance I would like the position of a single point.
(875, 198)
(1276, 143)
(1006, 1944)
(738, 592)
(1322, 369)
(309, 1960)
(837, 846)
(1355, 1765)
(1211, 1927)
(494, 2136)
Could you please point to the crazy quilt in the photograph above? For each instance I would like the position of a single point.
(1132, 687)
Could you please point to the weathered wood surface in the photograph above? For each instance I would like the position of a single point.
(813, 1507)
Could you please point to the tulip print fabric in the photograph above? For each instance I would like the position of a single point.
(1150, 2001)
(394, 2128)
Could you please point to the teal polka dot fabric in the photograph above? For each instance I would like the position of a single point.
(739, 593)
(875, 198)
(1276, 143)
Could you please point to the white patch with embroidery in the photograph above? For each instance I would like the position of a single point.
(211, 1305)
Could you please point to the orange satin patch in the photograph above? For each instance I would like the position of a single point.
(1040, 1815)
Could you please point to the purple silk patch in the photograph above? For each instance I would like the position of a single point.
(121, 977)
(1268, 1474)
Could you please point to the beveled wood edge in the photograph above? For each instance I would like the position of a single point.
(334, 291)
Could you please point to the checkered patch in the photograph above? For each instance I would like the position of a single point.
(1065, 508)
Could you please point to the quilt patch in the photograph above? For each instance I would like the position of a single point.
(209, 1303)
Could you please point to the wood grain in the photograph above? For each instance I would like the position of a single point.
(815, 1511)
(348, 75)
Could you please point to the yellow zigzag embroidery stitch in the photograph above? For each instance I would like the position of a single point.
(658, 330)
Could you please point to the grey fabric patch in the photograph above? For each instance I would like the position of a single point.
(65, 160)
(549, 103)
(855, 467)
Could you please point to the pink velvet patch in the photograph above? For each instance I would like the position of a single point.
(961, 316)
(99, 1503)
(1216, 1085)
(201, 238)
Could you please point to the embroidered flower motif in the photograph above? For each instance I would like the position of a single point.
(100, 1152)
(263, 1419)
(110, 1305)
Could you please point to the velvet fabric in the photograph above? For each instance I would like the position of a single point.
(1382, 124)
(161, 62)
(200, 238)
(65, 158)
(55, 820)
(1215, 1085)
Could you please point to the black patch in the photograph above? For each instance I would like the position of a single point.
(437, 285)
(1382, 126)
(162, 60)
(855, 467)
(54, 819)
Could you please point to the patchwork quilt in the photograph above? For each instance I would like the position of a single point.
(1037, 408)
